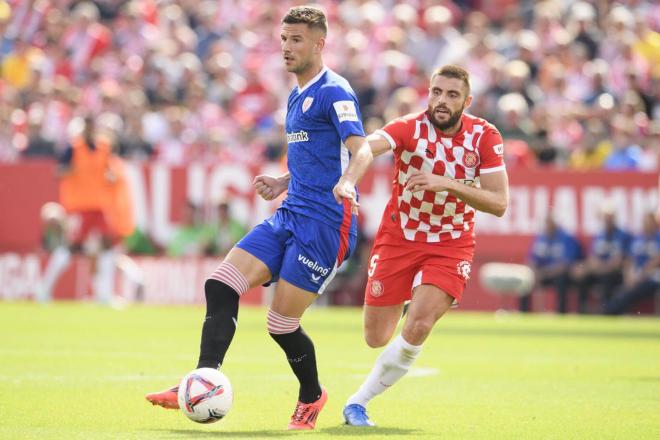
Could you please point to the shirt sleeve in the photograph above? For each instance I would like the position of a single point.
(534, 258)
(344, 112)
(396, 134)
(491, 151)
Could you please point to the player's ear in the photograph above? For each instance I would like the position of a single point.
(468, 102)
(320, 44)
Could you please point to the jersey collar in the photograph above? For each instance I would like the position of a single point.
(313, 80)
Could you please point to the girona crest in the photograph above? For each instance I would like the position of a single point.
(463, 269)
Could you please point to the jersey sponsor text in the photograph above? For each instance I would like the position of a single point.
(298, 136)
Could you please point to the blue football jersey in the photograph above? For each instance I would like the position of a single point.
(644, 248)
(320, 117)
(606, 246)
(550, 250)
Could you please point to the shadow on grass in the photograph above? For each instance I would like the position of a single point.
(341, 430)
(364, 431)
(191, 433)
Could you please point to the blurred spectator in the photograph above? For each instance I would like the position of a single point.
(194, 237)
(86, 39)
(570, 62)
(6, 41)
(582, 22)
(37, 144)
(603, 268)
(657, 209)
(131, 143)
(55, 242)
(642, 275)
(626, 153)
(17, 66)
(94, 188)
(553, 253)
(228, 230)
(594, 148)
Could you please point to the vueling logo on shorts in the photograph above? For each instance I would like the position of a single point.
(297, 136)
(313, 265)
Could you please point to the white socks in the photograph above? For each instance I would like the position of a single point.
(57, 263)
(392, 364)
(103, 284)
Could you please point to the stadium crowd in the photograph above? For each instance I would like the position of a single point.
(569, 84)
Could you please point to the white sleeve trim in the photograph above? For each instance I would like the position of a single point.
(387, 137)
(492, 170)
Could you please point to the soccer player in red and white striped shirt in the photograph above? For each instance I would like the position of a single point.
(448, 165)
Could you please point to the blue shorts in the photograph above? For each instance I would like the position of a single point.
(299, 249)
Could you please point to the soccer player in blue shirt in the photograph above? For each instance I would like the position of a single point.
(642, 271)
(603, 268)
(553, 253)
(313, 231)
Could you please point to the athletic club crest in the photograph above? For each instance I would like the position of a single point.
(307, 103)
(377, 288)
(470, 159)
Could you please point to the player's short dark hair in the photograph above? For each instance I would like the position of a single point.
(452, 71)
(312, 16)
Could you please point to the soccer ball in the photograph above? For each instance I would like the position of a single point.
(205, 395)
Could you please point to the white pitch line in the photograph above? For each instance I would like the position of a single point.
(40, 377)
(87, 353)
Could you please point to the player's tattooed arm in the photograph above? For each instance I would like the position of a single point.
(492, 197)
(269, 187)
(361, 158)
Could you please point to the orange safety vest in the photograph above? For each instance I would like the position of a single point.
(86, 186)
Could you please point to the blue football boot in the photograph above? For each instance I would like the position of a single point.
(356, 415)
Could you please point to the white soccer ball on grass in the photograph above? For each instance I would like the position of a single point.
(205, 395)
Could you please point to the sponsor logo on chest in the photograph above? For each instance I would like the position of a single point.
(297, 136)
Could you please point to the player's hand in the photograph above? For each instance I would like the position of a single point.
(419, 181)
(344, 189)
(269, 187)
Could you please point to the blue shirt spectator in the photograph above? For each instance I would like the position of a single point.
(610, 244)
(554, 247)
(554, 252)
(626, 158)
(644, 248)
(642, 278)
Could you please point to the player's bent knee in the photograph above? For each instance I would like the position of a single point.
(281, 325)
(376, 340)
(417, 330)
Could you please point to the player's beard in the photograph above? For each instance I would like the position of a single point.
(300, 68)
(454, 118)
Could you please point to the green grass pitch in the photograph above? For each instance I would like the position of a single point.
(78, 371)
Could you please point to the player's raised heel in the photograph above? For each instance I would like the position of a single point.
(356, 415)
(167, 399)
(305, 415)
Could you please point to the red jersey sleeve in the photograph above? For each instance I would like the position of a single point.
(491, 151)
(397, 133)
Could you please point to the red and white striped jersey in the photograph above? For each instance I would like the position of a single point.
(427, 216)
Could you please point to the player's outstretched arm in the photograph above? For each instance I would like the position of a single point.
(378, 144)
(492, 197)
(269, 187)
(361, 158)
